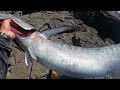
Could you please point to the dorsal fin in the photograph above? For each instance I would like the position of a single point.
(52, 32)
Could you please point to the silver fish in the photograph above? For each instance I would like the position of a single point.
(17, 20)
(70, 60)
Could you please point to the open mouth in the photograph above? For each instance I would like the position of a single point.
(18, 30)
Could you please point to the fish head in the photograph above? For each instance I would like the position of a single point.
(27, 41)
(16, 19)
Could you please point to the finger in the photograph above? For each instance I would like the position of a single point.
(6, 25)
(55, 75)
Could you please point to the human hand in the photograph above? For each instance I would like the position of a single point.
(6, 28)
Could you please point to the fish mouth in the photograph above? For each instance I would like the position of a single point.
(18, 30)
(18, 25)
(17, 20)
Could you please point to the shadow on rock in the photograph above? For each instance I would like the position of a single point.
(75, 41)
(107, 27)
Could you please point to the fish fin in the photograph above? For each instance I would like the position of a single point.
(51, 32)
(28, 59)
(31, 53)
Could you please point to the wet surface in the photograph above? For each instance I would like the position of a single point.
(90, 29)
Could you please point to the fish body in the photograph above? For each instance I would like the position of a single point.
(71, 60)
(68, 60)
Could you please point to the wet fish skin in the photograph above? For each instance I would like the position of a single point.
(72, 60)
(69, 60)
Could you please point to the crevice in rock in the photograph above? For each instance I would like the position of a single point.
(106, 26)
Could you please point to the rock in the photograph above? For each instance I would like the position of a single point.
(8, 74)
(109, 41)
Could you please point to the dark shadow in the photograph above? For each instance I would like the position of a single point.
(18, 46)
(28, 12)
(9, 65)
(66, 77)
(107, 27)
(62, 77)
(76, 42)
(49, 75)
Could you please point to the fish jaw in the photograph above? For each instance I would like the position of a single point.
(17, 20)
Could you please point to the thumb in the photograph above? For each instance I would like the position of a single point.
(6, 25)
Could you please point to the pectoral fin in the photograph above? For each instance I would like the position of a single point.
(54, 31)
(28, 58)
(31, 53)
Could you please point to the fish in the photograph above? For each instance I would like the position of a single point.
(69, 60)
